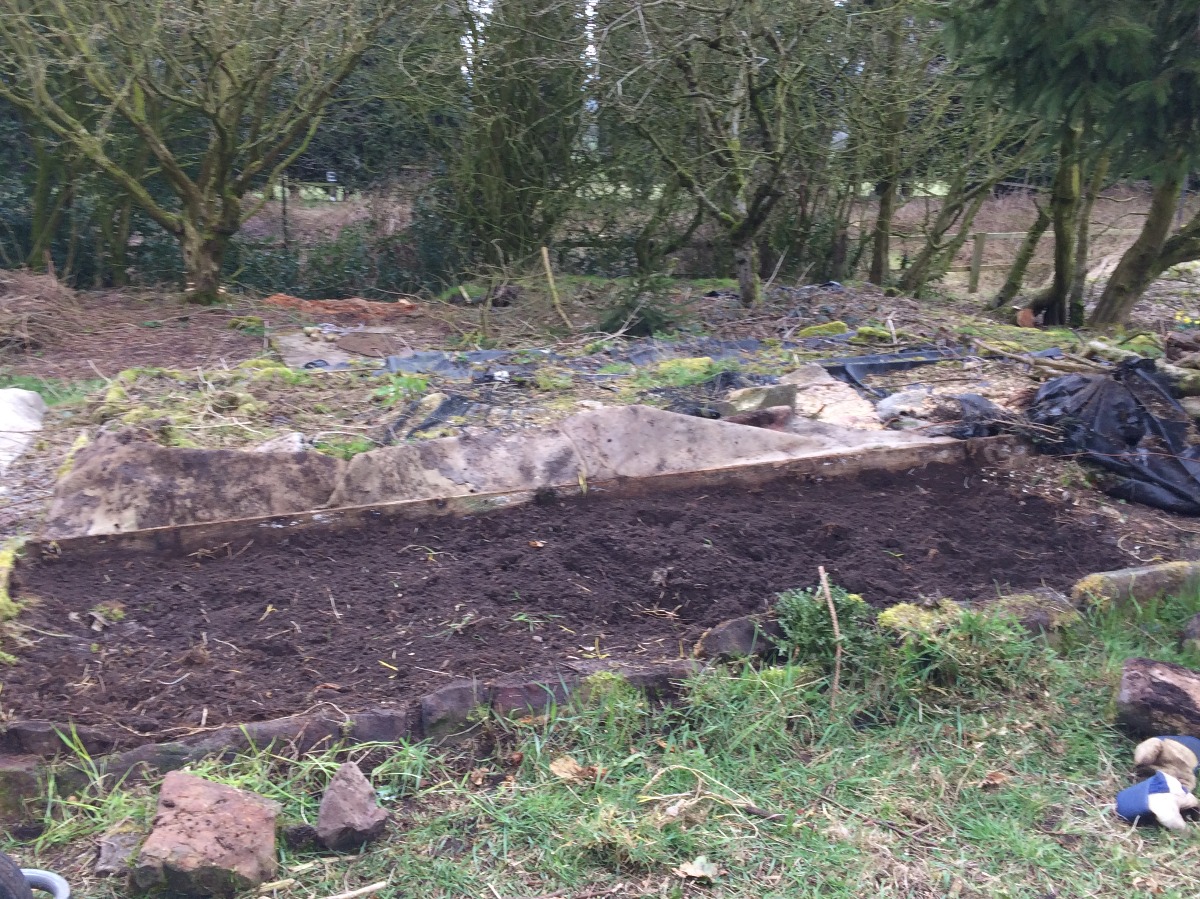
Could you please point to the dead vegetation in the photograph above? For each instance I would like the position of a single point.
(35, 311)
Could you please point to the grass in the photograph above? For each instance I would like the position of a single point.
(54, 391)
(344, 447)
(942, 788)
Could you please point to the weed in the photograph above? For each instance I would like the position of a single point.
(808, 629)
(549, 380)
(110, 611)
(637, 309)
(344, 447)
(533, 621)
(401, 388)
(972, 652)
(474, 340)
(1074, 476)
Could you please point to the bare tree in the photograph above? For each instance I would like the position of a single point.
(711, 90)
(242, 82)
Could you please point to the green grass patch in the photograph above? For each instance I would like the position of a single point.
(344, 447)
(991, 776)
(1018, 340)
(54, 391)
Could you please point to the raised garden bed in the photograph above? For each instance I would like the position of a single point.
(146, 648)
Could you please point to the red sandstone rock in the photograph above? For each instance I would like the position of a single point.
(208, 839)
(349, 815)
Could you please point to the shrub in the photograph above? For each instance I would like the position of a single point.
(808, 629)
(637, 309)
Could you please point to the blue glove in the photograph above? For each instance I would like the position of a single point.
(1160, 799)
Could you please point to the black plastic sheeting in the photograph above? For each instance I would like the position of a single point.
(852, 369)
(1125, 421)
(1128, 423)
(472, 364)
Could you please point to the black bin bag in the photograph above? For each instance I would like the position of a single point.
(1128, 423)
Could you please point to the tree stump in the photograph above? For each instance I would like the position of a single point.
(1158, 698)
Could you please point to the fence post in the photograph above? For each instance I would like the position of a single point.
(977, 261)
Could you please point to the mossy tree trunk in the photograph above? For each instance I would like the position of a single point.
(1016, 273)
(745, 264)
(1145, 260)
(881, 243)
(1064, 211)
(1083, 236)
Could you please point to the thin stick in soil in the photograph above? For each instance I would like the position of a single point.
(837, 638)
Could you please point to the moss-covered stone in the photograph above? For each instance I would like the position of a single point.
(826, 329)
(1039, 613)
(21, 790)
(872, 334)
(1116, 588)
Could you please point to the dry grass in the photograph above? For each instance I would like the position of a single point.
(35, 310)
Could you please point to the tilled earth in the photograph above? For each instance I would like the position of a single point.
(148, 647)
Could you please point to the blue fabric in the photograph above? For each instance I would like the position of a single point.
(1190, 742)
(1134, 802)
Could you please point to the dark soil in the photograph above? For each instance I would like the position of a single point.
(380, 617)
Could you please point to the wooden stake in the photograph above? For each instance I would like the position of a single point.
(837, 638)
(554, 290)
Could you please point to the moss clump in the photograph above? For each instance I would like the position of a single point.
(1144, 345)
(261, 365)
(605, 686)
(131, 376)
(69, 462)
(139, 415)
(344, 447)
(872, 334)
(249, 324)
(909, 620)
(116, 399)
(281, 375)
(1093, 589)
(828, 329)
(10, 550)
(684, 372)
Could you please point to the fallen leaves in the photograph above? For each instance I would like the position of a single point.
(566, 768)
(994, 780)
(700, 868)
